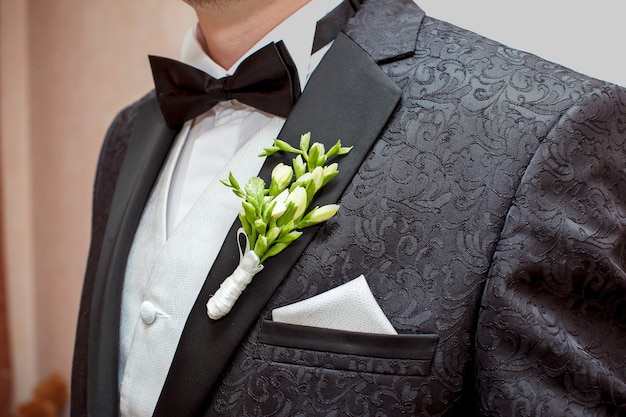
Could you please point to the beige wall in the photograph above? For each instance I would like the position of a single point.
(67, 66)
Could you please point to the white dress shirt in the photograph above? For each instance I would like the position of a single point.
(216, 135)
(202, 150)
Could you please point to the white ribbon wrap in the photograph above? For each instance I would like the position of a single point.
(229, 291)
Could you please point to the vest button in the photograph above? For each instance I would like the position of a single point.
(148, 312)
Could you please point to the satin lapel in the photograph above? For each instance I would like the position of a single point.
(347, 98)
(147, 149)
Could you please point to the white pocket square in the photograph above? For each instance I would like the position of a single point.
(349, 307)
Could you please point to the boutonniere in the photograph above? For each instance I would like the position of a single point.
(271, 218)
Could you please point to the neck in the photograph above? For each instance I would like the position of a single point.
(231, 28)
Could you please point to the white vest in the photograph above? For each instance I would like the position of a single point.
(165, 273)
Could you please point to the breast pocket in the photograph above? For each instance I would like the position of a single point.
(403, 354)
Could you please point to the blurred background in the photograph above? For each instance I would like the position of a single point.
(68, 66)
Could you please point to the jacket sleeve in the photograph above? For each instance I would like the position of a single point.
(551, 335)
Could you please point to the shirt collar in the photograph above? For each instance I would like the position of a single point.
(297, 32)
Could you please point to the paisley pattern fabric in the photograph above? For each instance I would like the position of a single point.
(491, 212)
(554, 308)
(484, 139)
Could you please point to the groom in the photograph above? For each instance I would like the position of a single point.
(483, 202)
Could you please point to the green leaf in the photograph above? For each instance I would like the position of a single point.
(255, 191)
(285, 147)
(344, 150)
(286, 229)
(311, 189)
(272, 234)
(334, 150)
(245, 224)
(260, 226)
(233, 181)
(289, 237)
(274, 250)
(269, 151)
(260, 246)
(252, 238)
(249, 210)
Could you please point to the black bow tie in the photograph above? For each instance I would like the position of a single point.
(266, 80)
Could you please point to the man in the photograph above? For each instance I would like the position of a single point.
(483, 202)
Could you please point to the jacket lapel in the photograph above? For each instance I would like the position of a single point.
(347, 98)
(147, 149)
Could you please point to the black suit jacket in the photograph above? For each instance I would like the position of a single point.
(484, 201)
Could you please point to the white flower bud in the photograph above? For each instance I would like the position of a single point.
(319, 215)
(280, 204)
(281, 177)
(318, 177)
(299, 166)
(299, 198)
(317, 156)
(303, 180)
